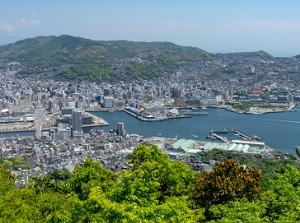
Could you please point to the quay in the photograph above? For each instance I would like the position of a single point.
(222, 139)
(97, 121)
(148, 117)
(194, 113)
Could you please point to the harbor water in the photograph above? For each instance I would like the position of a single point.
(281, 131)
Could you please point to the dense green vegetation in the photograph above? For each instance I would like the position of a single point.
(14, 163)
(155, 189)
(269, 167)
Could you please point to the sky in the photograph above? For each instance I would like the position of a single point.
(216, 26)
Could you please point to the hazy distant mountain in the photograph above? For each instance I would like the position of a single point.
(79, 58)
(297, 56)
(262, 54)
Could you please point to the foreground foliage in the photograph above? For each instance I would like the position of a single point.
(155, 189)
(228, 182)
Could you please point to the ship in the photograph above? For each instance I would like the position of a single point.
(256, 137)
(297, 148)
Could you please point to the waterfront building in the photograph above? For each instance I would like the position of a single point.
(237, 146)
(185, 146)
(121, 129)
(108, 102)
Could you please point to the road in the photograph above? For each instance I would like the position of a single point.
(40, 119)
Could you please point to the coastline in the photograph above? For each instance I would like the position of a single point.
(199, 126)
(259, 111)
(21, 127)
(141, 118)
(97, 120)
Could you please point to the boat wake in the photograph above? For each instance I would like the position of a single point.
(289, 121)
(194, 135)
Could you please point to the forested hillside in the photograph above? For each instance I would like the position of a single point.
(76, 58)
(155, 189)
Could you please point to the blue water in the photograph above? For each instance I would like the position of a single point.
(13, 134)
(281, 131)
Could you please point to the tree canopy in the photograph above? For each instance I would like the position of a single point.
(154, 189)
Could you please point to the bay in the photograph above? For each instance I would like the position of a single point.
(281, 131)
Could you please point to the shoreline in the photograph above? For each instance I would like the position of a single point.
(101, 122)
(97, 120)
(139, 117)
(259, 111)
(97, 123)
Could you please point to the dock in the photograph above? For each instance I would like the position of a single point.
(222, 139)
(151, 118)
(194, 113)
(216, 135)
(97, 120)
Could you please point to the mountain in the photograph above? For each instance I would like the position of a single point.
(297, 56)
(247, 55)
(80, 58)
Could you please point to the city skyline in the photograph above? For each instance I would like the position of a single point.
(214, 26)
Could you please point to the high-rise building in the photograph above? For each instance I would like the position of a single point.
(77, 123)
(121, 129)
(109, 102)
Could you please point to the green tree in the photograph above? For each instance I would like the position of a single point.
(237, 211)
(7, 164)
(153, 177)
(91, 174)
(227, 182)
(60, 175)
(6, 181)
(283, 197)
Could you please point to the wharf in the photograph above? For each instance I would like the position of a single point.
(222, 139)
(215, 134)
(144, 119)
(194, 113)
(97, 120)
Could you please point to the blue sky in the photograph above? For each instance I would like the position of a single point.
(217, 26)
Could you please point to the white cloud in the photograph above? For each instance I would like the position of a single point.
(19, 24)
(33, 22)
(5, 26)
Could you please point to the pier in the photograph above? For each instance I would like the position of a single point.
(194, 113)
(150, 118)
(97, 121)
(244, 136)
(216, 135)
(222, 139)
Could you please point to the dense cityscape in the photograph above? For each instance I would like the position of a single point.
(61, 108)
(56, 111)
(150, 111)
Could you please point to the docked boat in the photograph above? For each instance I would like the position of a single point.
(256, 137)
(297, 148)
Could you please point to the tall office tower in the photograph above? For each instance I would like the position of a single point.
(121, 130)
(77, 123)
